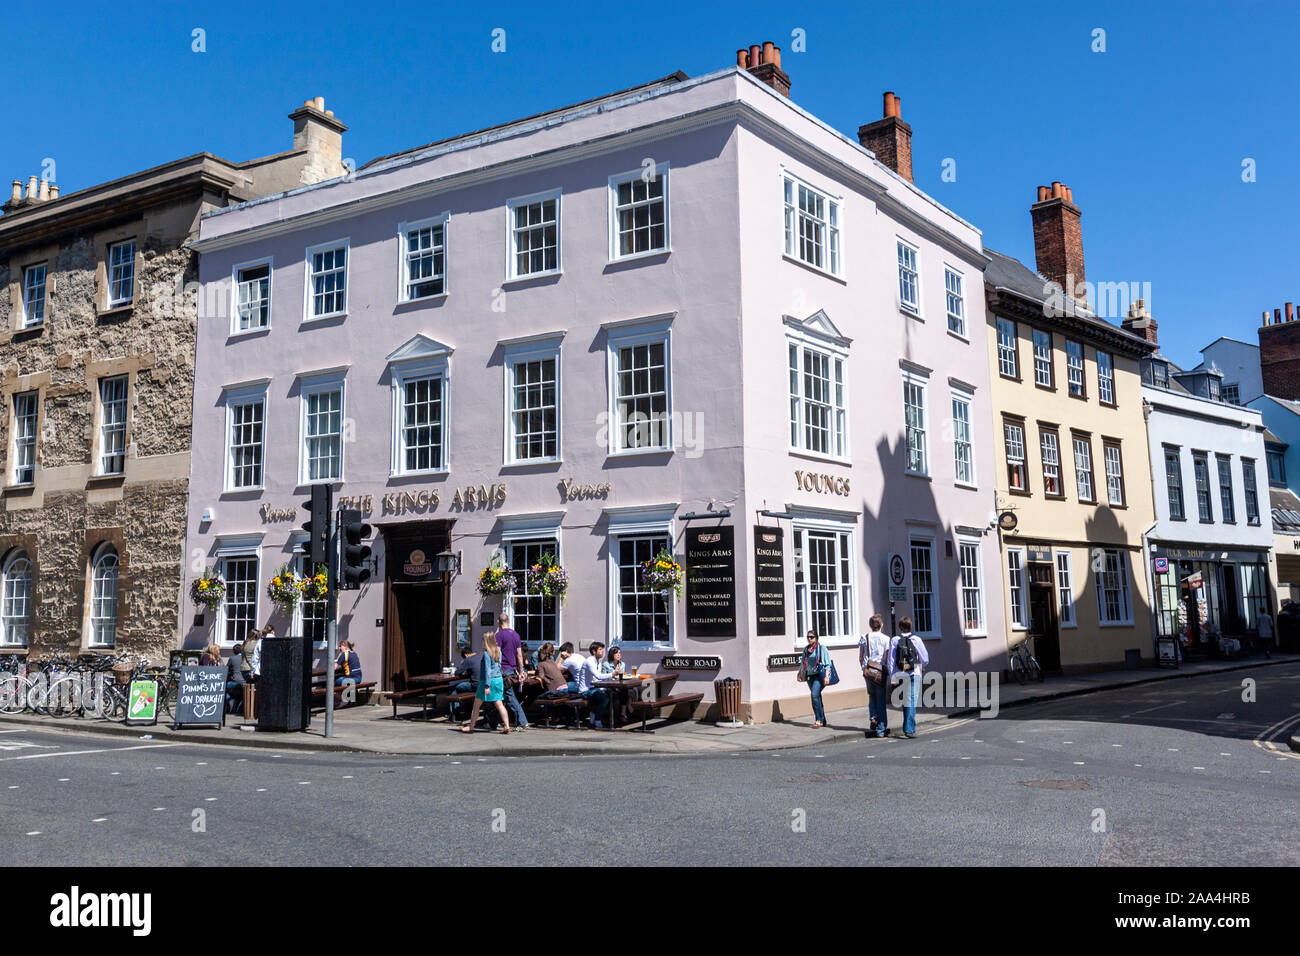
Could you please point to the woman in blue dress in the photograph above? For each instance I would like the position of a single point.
(491, 686)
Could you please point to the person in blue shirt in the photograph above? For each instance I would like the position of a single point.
(491, 685)
(347, 667)
(814, 670)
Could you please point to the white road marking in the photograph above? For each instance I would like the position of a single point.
(15, 730)
(1078, 763)
(156, 809)
(1117, 745)
(209, 799)
(1224, 753)
(1021, 759)
(78, 753)
(1266, 771)
(201, 763)
(304, 783)
(347, 776)
(116, 773)
(1172, 750)
(13, 786)
(261, 789)
(99, 820)
(1137, 765)
(1198, 768)
(1067, 741)
(64, 779)
(33, 832)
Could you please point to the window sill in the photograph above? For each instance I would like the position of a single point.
(815, 456)
(251, 491)
(917, 474)
(28, 332)
(105, 481)
(968, 486)
(310, 319)
(422, 300)
(1009, 378)
(425, 473)
(246, 333)
(975, 635)
(795, 260)
(1045, 388)
(531, 462)
(532, 276)
(1108, 404)
(19, 488)
(959, 336)
(639, 256)
(1120, 507)
(1176, 518)
(1019, 493)
(911, 313)
(1082, 398)
(639, 452)
(1115, 624)
(114, 312)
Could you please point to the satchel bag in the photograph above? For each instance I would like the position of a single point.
(875, 672)
(833, 677)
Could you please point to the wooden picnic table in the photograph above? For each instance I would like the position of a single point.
(622, 688)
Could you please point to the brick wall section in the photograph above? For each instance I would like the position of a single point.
(1058, 243)
(1279, 359)
(891, 140)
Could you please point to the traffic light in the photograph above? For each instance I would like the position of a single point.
(317, 545)
(354, 554)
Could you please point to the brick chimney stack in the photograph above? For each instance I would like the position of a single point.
(316, 130)
(890, 138)
(1279, 354)
(764, 62)
(1058, 239)
(1139, 322)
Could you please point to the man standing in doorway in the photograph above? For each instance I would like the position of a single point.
(512, 668)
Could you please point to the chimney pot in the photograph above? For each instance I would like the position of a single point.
(1069, 194)
(755, 55)
(31, 187)
(764, 64)
(890, 108)
(1043, 193)
(319, 103)
(776, 57)
(45, 190)
(1277, 316)
(1290, 312)
(889, 138)
(898, 106)
(54, 190)
(742, 58)
(17, 191)
(769, 51)
(329, 112)
(1056, 190)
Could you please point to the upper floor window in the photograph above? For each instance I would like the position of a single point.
(534, 235)
(420, 423)
(533, 383)
(812, 226)
(1013, 434)
(112, 425)
(1201, 468)
(1252, 492)
(963, 443)
(909, 277)
(1174, 483)
(424, 259)
(1232, 394)
(1083, 468)
(252, 297)
(1114, 473)
(103, 597)
(26, 410)
(1051, 451)
(1226, 504)
(1160, 374)
(640, 212)
(1008, 356)
(1105, 378)
(246, 419)
(327, 280)
(955, 299)
(1043, 358)
(121, 273)
(1212, 384)
(1275, 459)
(641, 406)
(1074, 367)
(322, 433)
(914, 421)
(818, 411)
(33, 295)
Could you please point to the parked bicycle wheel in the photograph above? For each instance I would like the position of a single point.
(114, 704)
(13, 694)
(1018, 669)
(62, 698)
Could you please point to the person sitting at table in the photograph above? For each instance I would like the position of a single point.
(467, 670)
(570, 663)
(555, 683)
(349, 663)
(588, 676)
(612, 665)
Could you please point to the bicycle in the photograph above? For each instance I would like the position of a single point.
(1023, 663)
(16, 684)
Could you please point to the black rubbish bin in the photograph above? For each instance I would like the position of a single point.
(284, 686)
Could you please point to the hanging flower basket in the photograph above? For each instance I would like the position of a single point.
(663, 574)
(209, 589)
(548, 579)
(496, 578)
(316, 587)
(285, 589)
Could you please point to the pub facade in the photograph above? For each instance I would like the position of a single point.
(687, 317)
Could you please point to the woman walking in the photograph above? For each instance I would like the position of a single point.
(491, 686)
(814, 669)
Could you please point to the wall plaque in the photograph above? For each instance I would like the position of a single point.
(711, 581)
(769, 579)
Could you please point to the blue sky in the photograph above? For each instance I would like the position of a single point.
(1151, 134)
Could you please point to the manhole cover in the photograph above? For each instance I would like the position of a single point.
(1056, 784)
(821, 777)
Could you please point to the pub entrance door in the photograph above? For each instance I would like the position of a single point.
(1043, 623)
(416, 627)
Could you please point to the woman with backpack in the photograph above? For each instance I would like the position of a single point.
(816, 669)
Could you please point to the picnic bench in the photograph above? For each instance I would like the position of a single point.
(318, 688)
(660, 703)
(424, 687)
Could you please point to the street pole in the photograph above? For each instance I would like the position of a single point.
(893, 624)
(331, 619)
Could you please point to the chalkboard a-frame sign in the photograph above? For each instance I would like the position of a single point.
(200, 697)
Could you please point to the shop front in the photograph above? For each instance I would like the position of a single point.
(1209, 599)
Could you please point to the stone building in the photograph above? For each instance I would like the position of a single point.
(97, 343)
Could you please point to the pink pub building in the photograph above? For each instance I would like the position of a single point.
(687, 316)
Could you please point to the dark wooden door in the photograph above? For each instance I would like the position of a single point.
(1043, 621)
(420, 622)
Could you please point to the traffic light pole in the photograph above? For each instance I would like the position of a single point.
(331, 620)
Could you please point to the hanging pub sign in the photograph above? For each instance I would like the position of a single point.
(769, 579)
(691, 662)
(711, 581)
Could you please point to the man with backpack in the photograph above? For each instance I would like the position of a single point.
(907, 658)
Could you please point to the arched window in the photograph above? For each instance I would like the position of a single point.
(15, 600)
(103, 597)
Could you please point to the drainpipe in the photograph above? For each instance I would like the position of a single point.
(1146, 541)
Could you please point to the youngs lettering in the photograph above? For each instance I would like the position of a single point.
(826, 484)
(572, 490)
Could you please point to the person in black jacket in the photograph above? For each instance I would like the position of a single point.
(235, 681)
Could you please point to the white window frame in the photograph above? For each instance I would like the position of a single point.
(1023, 459)
(28, 441)
(239, 397)
(512, 274)
(949, 273)
(509, 541)
(803, 606)
(404, 229)
(1019, 603)
(235, 548)
(974, 543)
(120, 268)
(439, 367)
(925, 537)
(832, 224)
(1008, 353)
(1125, 590)
(1117, 477)
(235, 284)
(12, 624)
(515, 355)
(660, 172)
(1091, 498)
(967, 398)
(309, 299)
(636, 522)
(837, 355)
(93, 617)
(1065, 603)
(903, 304)
(1047, 360)
(1071, 369)
(27, 285)
(103, 428)
(631, 336)
(314, 385)
(1054, 461)
(922, 383)
(1106, 378)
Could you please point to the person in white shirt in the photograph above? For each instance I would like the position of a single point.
(872, 649)
(909, 673)
(588, 675)
(570, 663)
